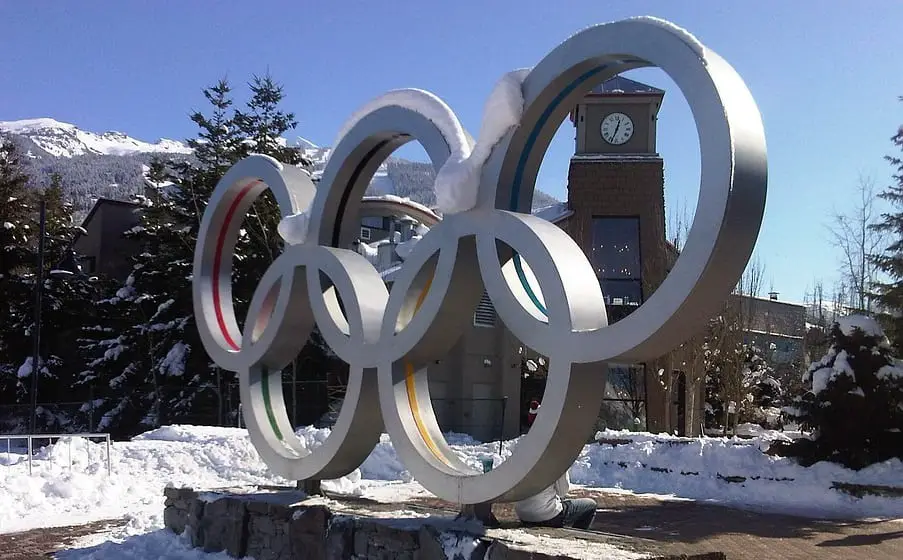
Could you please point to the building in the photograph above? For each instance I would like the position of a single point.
(778, 329)
(101, 246)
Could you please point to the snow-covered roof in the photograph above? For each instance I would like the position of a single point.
(619, 85)
(779, 301)
(554, 213)
(774, 334)
(416, 210)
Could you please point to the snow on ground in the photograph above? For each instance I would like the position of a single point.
(197, 456)
(782, 485)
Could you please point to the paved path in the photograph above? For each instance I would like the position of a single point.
(691, 527)
(684, 527)
(640, 523)
(44, 543)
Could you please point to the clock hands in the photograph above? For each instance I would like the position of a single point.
(614, 134)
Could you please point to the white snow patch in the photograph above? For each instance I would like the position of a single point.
(688, 38)
(404, 249)
(458, 180)
(174, 362)
(293, 228)
(66, 140)
(33, 125)
(867, 325)
(888, 372)
(421, 101)
(25, 369)
(822, 376)
(401, 200)
(574, 548)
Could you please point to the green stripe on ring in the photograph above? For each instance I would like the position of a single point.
(268, 404)
(522, 163)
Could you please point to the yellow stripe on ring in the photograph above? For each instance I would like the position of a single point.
(411, 388)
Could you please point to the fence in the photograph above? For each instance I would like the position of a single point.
(30, 448)
(51, 417)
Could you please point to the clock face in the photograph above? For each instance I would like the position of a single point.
(617, 128)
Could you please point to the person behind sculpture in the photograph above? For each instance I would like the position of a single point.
(551, 507)
(531, 414)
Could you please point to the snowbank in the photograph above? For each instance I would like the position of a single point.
(199, 456)
(653, 464)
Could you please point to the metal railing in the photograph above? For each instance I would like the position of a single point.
(29, 438)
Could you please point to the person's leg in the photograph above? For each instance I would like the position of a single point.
(579, 512)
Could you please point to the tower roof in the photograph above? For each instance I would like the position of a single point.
(619, 85)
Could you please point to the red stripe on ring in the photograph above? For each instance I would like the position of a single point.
(217, 263)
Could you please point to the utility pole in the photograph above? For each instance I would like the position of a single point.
(36, 334)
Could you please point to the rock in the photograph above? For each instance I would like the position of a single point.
(340, 538)
(224, 527)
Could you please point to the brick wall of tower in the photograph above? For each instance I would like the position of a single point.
(632, 187)
(629, 188)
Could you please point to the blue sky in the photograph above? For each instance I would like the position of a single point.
(822, 73)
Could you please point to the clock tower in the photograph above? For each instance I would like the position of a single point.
(617, 205)
(616, 191)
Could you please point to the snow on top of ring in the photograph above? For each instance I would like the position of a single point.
(687, 37)
(419, 101)
(458, 181)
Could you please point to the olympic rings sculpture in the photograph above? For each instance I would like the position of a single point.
(555, 305)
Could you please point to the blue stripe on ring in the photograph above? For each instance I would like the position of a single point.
(522, 163)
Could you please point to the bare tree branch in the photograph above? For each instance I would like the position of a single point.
(851, 232)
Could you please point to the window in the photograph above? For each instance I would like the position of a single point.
(618, 264)
(484, 316)
(365, 234)
(375, 222)
(624, 403)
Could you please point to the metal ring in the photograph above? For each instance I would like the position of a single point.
(359, 423)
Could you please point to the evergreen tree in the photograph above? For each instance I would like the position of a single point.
(763, 391)
(263, 124)
(67, 305)
(854, 405)
(17, 263)
(149, 364)
(219, 139)
(889, 295)
(66, 300)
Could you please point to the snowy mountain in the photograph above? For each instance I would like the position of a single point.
(61, 139)
(112, 164)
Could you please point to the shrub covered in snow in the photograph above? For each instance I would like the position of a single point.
(754, 385)
(854, 401)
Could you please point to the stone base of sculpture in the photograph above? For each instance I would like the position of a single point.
(274, 524)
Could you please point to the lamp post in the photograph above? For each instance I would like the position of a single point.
(67, 266)
(36, 333)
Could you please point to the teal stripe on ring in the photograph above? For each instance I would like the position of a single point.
(268, 403)
(522, 163)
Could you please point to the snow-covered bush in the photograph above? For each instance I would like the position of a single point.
(854, 399)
